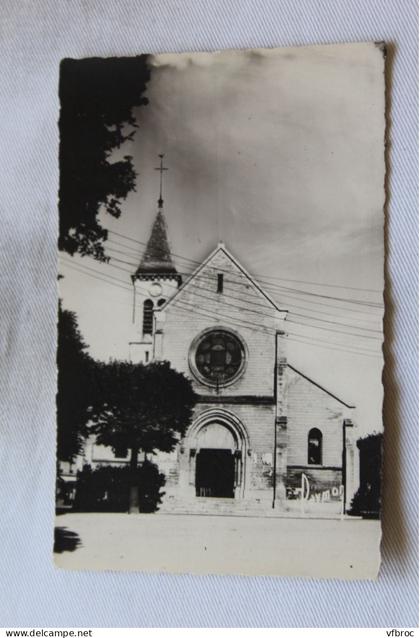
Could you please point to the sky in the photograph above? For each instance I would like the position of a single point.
(280, 154)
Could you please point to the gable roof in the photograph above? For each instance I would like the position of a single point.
(320, 387)
(221, 248)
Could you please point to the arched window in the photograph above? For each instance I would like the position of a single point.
(161, 302)
(148, 317)
(315, 447)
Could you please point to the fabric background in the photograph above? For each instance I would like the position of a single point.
(34, 36)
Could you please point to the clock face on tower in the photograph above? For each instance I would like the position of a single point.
(155, 289)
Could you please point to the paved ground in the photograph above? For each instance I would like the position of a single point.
(346, 548)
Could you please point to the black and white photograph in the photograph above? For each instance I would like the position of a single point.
(220, 318)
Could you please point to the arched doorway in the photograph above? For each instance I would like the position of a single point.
(215, 462)
(217, 445)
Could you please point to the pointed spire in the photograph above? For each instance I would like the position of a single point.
(157, 256)
(157, 259)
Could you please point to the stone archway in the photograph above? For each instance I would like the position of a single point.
(217, 445)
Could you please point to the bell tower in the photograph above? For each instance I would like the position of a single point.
(155, 281)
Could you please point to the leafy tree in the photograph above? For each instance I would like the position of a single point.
(97, 98)
(106, 488)
(75, 378)
(141, 408)
(367, 500)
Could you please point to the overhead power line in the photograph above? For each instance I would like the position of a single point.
(366, 312)
(240, 322)
(240, 308)
(257, 276)
(287, 295)
(363, 305)
(252, 302)
(244, 323)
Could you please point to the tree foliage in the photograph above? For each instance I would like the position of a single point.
(367, 500)
(143, 407)
(97, 98)
(106, 488)
(75, 381)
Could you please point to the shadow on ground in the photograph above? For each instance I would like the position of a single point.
(65, 540)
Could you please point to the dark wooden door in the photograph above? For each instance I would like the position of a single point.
(215, 473)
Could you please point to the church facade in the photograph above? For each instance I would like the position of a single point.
(264, 437)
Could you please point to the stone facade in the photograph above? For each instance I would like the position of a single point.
(264, 437)
(261, 417)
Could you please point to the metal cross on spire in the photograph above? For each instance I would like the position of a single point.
(161, 168)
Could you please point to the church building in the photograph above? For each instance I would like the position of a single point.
(265, 437)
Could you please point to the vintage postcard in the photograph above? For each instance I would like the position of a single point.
(219, 404)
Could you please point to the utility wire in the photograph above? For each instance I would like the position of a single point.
(241, 322)
(272, 288)
(332, 347)
(263, 277)
(296, 314)
(262, 305)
